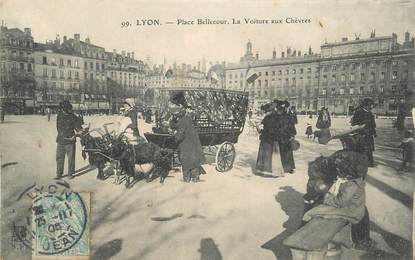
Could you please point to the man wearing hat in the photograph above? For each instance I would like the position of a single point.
(284, 133)
(66, 124)
(363, 117)
(323, 123)
(191, 155)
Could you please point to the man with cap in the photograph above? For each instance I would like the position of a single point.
(363, 117)
(66, 124)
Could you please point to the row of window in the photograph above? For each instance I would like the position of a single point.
(20, 43)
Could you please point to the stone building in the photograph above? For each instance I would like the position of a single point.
(343, 74)
(126, 78)
(17, 82)
(58, 74)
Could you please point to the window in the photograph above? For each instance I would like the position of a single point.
(287, 72)
(353, 66)
(45, 72)
(266, 73)
(308, 70)
(382, 75)
(351, 91)
(53, 61)
(53, 73)
(372, 76)
(334, 77)
(61, 74)
(60, 62)
(91, 66)
(323, 91)
(69, 74)
(301, 71)
(352, 77)
(103, 66)
(69, 62)
(362, 76)
(279, 72)
(259, 73)
(76, 63)
(294, 81)
(394, 75)
(333, 91)
(273, 73)
(266, 83)
(29, 67)
(395, 63)
(405, 74)
(21, 66)
(334, 68)
(45, 60)
(294, 71)
(97, 66)
(76, 74)
(343, 78)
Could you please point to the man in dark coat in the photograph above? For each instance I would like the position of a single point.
(293, 113)
(363, 116)
(323, 123)
(66, 124)
(284, 130)
(190, 149)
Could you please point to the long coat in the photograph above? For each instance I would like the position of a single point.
(360, 117)
(190, 150)
(349, 204)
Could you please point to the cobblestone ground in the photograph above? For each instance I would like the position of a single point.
(232, 215)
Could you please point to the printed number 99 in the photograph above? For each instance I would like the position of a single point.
(125, 24)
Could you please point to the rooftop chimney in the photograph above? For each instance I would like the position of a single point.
(295, 53)
(299, 53)
(282, 54)
(77, 37)
(128, 54)
(344, 39)
(288, 51)
(27, 31)
(309, 50)
(274, 54)
(257, 56)
(373, 34)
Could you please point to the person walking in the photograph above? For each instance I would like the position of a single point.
(67, 123)
(323, 123)
(48, 113)
(363, 117)
(267, 145)
(293, 114)
(285, 131)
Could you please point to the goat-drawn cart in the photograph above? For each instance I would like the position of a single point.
(218, 116)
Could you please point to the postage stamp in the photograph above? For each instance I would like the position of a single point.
(60, 224)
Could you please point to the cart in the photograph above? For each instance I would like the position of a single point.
(218, 116)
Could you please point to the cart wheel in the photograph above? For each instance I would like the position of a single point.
(225, 156)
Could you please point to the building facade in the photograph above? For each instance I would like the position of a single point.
(17, 82)
(126, 78)
(338, 78)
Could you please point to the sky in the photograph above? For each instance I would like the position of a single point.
(101, 20)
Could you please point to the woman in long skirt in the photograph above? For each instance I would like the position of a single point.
(267, 163)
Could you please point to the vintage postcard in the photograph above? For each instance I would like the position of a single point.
(217, 129)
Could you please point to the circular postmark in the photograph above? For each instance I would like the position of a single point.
(59, 221)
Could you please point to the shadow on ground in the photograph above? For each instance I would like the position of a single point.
(291, 202)
(209, 250)
(107, 250)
